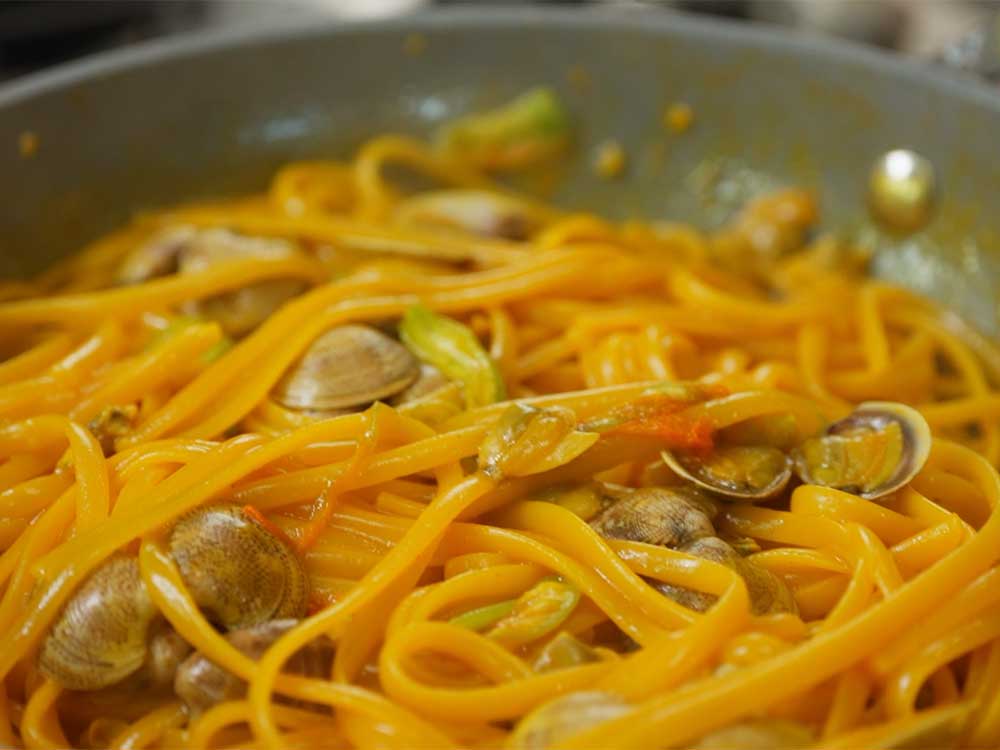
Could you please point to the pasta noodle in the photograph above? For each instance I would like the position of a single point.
(464, 578)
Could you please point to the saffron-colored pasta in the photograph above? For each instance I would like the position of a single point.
(467, 579)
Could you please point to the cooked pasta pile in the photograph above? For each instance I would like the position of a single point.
(522, 551)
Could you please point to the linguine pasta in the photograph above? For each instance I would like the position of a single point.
(465, 587)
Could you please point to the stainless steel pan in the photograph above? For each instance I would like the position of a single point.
(210, 115)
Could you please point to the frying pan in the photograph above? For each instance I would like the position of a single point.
(211, 115)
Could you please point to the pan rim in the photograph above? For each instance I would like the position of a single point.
(190, 45)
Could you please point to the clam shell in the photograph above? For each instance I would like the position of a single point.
(700, 472)
(236, 570)
(482, 212)
(348, 366)
(241, 310)
(201, 683)
(100, 636)
(875, 415)
(561, 718)
(667, 516)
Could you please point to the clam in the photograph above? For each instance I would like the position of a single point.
(347, 367)
(166, 649)
(872, 452)
(481, 212)
(429, 380)
(562, 652)
(768, 593)
(111, 634)
(241, 310)
(668, 516)
(681, 518)
(561, 718)
(188, 250)
(742, 472)
(201, 683)
(758, 734)
(101, 635)
(157, 257)
(699, 601)
(236, 570)
(432, 398)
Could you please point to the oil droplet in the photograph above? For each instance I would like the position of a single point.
(678, 117)
(27, 144)
(609, 160)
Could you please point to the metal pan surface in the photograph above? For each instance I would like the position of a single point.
(211, 115)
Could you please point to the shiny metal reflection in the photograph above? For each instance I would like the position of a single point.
(902, 191)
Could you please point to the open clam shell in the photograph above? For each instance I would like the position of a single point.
(872, 452)
(740, 472)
